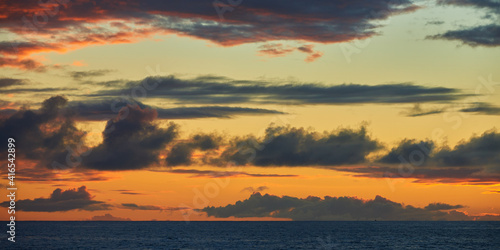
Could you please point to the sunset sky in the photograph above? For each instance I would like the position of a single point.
(251, 110)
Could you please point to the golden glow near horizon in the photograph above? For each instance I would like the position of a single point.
(398, 54)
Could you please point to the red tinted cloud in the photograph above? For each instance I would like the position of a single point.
(88, 22)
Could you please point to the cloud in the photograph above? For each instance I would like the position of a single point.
(417, 110)
(417, 150)
(484, 35)
(278, 49)
(483, 150)
(218, 174)
(59, 200)
(482, 108)
(471, 161)
(81, 24)
(44, 134)
(79, 75)
(98, 110)
(441, 206)
(330, 208)
(131, 141)
(220, 90)
(134, 206)
(108, 217)
(8, 82)
(182, 152)
(254, 190)
(286, 146)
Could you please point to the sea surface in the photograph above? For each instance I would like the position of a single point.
(254, 235)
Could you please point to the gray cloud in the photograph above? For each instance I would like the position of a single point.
(80, 75)
(485, 35)
(253, 190)
(59, 200)
(329, 208)
(131, 141)
(7, 82)
(218, 174)
(286, 146)
(438, 206)
(417, 110)
(99, 110)
(108, 217)
(134, 206)
(220, 90)
(482, 108)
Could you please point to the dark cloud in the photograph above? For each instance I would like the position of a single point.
(131, 141)
(485, 35)
(487, 4)
(417, 110)
(180, 154)
(253, 190)
(474, 161)
(108, 217)
(417, 150)
(483, 150)
(219, 174)
(7, 82)
(441, 206)
(286, 146)
(219, 90)
(134, 206)
(99, 110)
(79, 75)
(44, 134)
(84, 23)
(329, 208)
(59, 200)
(482, 108)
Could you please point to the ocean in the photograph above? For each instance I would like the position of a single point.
(255, 235)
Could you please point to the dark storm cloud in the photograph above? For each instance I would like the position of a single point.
(59, 200)
(441, 206)
(482, 108)
(7, 82)
(79, 75)
(106, 109)
(37, 90)
(219, 90)
(485, 35)
(132, 140)
(286, 146)
(328, 208)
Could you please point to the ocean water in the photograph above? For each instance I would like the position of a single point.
(255, 235)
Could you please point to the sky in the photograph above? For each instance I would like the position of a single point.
(251, 110)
